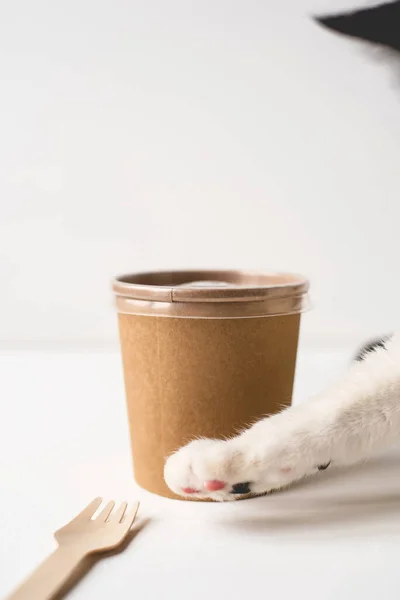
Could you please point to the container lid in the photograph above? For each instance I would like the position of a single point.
(211, 294)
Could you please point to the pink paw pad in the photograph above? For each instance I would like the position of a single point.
(190, 490)
(214, 485)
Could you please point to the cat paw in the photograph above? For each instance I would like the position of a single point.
(208, 469)
(232, 469)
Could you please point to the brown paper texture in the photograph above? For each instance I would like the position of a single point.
(187, 378)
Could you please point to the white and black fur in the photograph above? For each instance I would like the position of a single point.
(345, 424)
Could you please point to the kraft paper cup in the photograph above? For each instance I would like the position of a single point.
(205, 353)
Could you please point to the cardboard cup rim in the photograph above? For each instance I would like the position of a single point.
(249, 293)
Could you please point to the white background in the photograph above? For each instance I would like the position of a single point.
(148, 134)
(151, 134)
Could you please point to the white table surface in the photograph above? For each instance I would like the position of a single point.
(64, 440)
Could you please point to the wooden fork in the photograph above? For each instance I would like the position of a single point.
(76, 540)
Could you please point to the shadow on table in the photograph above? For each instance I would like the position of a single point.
(349, 501)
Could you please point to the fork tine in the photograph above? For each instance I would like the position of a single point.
(88, 512)
(119, 513)
(105, 513)
(130, 517)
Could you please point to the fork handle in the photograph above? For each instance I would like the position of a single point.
(50, 576)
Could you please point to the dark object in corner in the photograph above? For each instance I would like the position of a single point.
(375, 24)
(372, 347)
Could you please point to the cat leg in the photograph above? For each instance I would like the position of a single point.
(347, 423)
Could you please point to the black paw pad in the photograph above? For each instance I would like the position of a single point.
(241, 488)
(323, 467)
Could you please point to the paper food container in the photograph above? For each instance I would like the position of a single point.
(205, 354)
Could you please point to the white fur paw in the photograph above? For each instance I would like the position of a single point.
(207, 468)
(228, 470)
